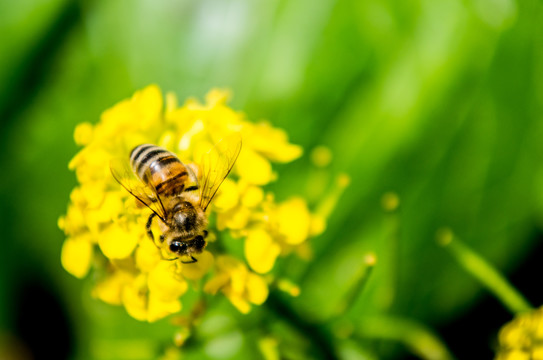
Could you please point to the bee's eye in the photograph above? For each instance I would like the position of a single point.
(178, 247)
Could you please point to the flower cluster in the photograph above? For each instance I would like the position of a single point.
(106, 230)
(522, 338)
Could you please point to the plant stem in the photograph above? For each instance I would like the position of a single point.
(484, 272)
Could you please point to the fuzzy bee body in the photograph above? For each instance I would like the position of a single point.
(174, 194)
(160, 169)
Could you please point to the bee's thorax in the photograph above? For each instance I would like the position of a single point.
(184, 221)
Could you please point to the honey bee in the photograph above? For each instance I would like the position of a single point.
(174, 194)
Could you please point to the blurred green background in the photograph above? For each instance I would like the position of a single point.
(438, 101)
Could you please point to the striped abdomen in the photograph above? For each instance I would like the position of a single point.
(160, 168)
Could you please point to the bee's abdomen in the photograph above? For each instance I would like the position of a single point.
(159, 167)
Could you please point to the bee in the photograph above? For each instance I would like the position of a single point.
(174, 194)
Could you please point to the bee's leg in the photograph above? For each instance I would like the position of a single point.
(163, 255)
(190, 262)
(148, 227)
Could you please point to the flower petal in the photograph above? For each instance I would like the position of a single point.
(147, 256)
(261, 251)
(257, 289)
(227, 197)
(83, 133)
(110, 289)
(164, 283)
(234, 219)
(294, 220)
(116, 242)
(198, 269)
(148, 104)
(160, 308)
(216, 283)
(239, 302)
(252, 196)
(254, 168)
(272, 142)
(76, 256)
(134, 298)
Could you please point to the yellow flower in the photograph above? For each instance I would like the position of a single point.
(522, 338)
(76, 256)
(104, 221)
(241, 286)
(261, 250)
(110, 289)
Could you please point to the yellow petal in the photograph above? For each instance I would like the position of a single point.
(227, 197)
(261, 251)
(200, 268)
(91, 195)
(515, 355)
(171, 102)
(74, 221)
(106, 212)
(76, 256)
(216, 283)
(254, 168)
(134, 298)
(91, 164)
(317, 225)
(160, 308)
(167, 140)
(234, 219)
(117, 242)
(147, 255)
(239, 302)
(294, 220)
(257, 289)
(83, 133)
(512, 334)
(538, 325)
(110, 289)
(164, 283)
(537, 352)
(252, 196)
(238, 278)
(217, 97)
(77, 197)
(149, 105)
(271, 142)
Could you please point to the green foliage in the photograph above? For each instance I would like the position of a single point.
(438, 101)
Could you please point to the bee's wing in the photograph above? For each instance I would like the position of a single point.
(216, 165)
(145, 194)
(192, 183)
